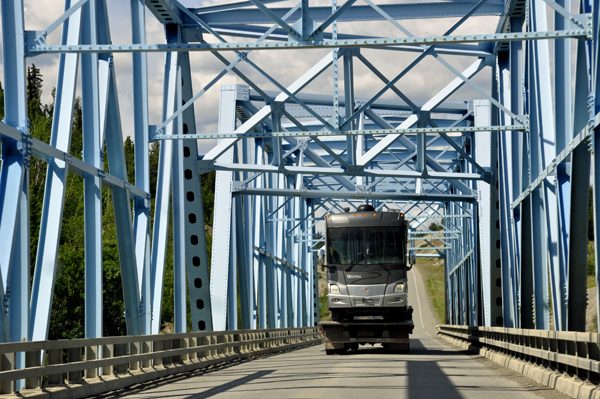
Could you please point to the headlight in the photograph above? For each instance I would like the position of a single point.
(334, 289)
(401, 287)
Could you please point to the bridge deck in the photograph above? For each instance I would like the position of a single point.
(433, 369)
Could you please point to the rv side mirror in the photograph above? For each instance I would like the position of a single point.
(412, 257)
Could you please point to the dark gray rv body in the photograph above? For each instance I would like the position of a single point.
(366, 262)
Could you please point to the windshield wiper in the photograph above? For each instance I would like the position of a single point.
(354, 262)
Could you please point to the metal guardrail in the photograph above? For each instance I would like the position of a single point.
(546, 356)
(92, 366)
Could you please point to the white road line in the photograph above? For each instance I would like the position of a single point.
(419, 301)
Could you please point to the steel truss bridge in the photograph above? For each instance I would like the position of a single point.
(478, 115)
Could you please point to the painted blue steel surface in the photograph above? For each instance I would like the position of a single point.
(141, 218)
(163, 189)
(56, 179)
(511, 202)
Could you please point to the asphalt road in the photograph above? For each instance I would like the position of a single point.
(432, 369)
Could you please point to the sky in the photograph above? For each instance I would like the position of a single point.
(285, 66)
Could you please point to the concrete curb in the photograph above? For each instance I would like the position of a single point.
(116, 382)
(572, 386)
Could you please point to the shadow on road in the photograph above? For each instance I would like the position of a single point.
(230, 385)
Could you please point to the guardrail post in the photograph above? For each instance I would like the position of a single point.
(184, 344)
(176, 344)
(134, 349)
(74, 355)
(238, 338)
(146, 348)
(210, 340)
(55, 357)
(121, 350)
(205, 355)
(582, 352)
(220, 339)
(107, 353)
(32, 359)
(167, 344)
(192, 343)
(157, 347)
(7, 363)
(91, 353)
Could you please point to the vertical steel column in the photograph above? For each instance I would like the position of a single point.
(93, 155)
(594, 56)
(334, 68)
(141, 212)
(242, 231)
(580, 182)
(297, 224)
(260, 266)
(280, 252)
(163, 185)
(349, 105)
(42, 290)
(14, 186)
(251, 273)
(122, 209)
(196, 257)
(489, 240)
(521, 215)
(219, 273)
(273, 306)
(563, 135)
(232, 288)
(543, 198)
(312, 267)
(179, 236)
(470, 241)
(509, 276)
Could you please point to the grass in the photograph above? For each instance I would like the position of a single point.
(324, 308)
(432, 270)
(591, 281)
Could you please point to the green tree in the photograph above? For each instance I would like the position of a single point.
(34, 92)
(433, 226)
(208, 196)
(129, 159)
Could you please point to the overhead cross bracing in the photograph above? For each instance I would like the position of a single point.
(478, 115)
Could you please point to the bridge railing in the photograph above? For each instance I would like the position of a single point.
(95, 365)
(565, 360)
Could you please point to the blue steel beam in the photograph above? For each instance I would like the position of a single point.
(582, 33)
(163, 185)
(14, 179)
(398, 165)
(92, 154)
(56, 178)
(196, 257)
(355, 13)
(222, 232)
(122, 208)
(543, 142)
(141, 217)
(580, 180)
(179, 234)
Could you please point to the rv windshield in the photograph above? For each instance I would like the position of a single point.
(371, 246)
